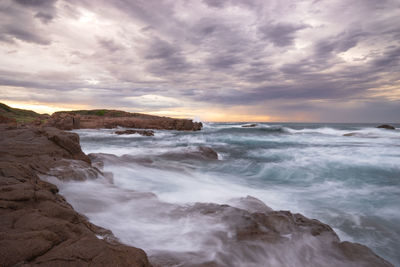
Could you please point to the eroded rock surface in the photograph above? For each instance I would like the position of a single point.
(37, 225)
(264, 238)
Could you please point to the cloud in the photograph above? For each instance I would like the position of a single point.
(44, 17)
(18, 22)
(280, 34)
(223, 53)
(215, 3)
(36, 3)
(109, 44)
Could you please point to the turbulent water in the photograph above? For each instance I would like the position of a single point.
(351, 183)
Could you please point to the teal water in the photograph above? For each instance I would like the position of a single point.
(351, 183)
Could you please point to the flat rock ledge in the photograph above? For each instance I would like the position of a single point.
(113, 119)
(37, 226)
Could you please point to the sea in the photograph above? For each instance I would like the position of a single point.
(350, 182)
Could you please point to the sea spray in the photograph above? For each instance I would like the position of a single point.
(349, 182)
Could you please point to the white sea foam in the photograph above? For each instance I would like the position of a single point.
(350, 182)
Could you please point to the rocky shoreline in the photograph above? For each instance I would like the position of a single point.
(39, 227)
(112, 119)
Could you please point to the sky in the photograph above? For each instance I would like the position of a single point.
(212, 60)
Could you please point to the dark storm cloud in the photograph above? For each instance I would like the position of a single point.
(390, 59)
(25, 35)
(224, 61)
(165, 58)
(47, 81)
(349, 83)
(216, 3)
(44, 17)
(18, 23)
(280, 34)
(337, 44)
(160, 49)
(36, 3)
(110, 44)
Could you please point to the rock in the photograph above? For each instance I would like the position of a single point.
(141, 132)
(386, 126)
(64, 121)
(37, 225)
(196, 153)
(7, 121)
(112, 119)
(208, 152)
(251, 204)
(261, 236)
(250, 125)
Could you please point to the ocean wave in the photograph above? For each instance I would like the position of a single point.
(312, 169)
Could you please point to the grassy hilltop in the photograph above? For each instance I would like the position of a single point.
(20, 115)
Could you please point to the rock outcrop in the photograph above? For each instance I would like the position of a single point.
(37, 225)
(386, 126)
(349, 134)
(250, 125)
(112, 119)
(64, 121)
(141, 132)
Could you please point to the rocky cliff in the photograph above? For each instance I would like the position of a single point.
(37, 225)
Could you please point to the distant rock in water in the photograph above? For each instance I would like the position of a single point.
(141, 132)
(95, 119)
(350, 134)
(208, 152)
(198, 153)
(250, 125)
(386, 126)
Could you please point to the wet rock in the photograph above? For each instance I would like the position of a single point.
(250, 203)
(197, 153)
(250, 125)
(141, 132)
(261, 236)
(208, 152)
(386, 126)
(37, 225)
(350, 134)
